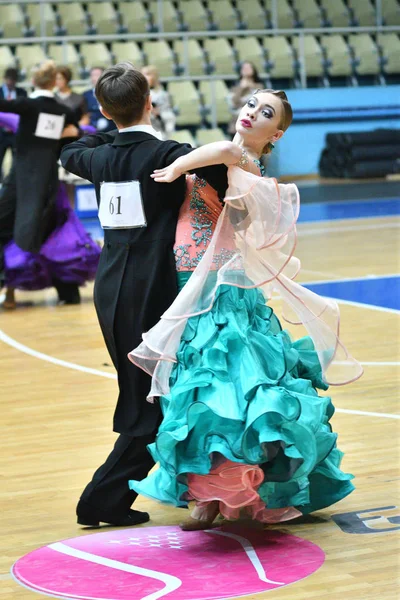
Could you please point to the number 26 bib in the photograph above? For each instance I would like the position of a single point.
(121, 205)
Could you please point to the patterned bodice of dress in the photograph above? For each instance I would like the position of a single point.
(197, 220)
(196, 224)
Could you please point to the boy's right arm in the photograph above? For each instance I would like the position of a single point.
(77, 157)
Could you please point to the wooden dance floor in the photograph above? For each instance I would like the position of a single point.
(58, 393)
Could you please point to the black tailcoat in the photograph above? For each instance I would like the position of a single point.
(35, 172)
(136, 277)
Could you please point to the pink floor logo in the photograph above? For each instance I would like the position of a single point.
(165, 562)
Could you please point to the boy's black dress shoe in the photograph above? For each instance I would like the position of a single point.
(92, 517)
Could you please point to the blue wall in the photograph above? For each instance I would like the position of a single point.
(298, 152)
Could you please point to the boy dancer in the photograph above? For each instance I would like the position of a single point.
(136, 277)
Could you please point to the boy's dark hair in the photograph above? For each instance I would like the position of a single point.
(122, 92)
(11, 73)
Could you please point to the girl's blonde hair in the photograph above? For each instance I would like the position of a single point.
(286, 116)
(44, 74)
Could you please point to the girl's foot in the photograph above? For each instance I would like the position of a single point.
(202, 517)
(9, 302)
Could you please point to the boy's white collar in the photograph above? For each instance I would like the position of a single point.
(145, 128)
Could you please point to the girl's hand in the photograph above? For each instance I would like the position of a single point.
(168, 174)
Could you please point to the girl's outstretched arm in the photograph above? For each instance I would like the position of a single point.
(216, 153)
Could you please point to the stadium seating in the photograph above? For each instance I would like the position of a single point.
(308, 13)
(285, 15)
(363, 13)
(170, 17)
(195, 56)
(28, 56)
(336, 13)
(280, 57)
(7, 59)
(338, 54)
(127, 51)
(329, 58)
(220, 56)
(185, 98)
(365, 53)
(252, 14)
(250, 49)
(215, 95)
(103, 17)
(313, 55)
(66, 54)
(12, 22)
(207, 136)
(135, 17)
(195, 16)
(390, 12)
(223, 15)
(389, 44)
(95, 54)
(160, 55)
(72, 18)
(41, 13)
(184, 136)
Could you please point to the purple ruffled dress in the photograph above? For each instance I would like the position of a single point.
(69, 254)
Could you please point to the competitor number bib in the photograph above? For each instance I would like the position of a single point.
(49, 126)
(121, 205)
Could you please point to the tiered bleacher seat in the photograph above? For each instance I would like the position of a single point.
(285, 15)
(72, 18)
(66, 54)
(389, 44)
(135, 17)
(127, 51)
(38, 13)
(252, 14)
(363, 13)
(308, 13)
(7, 58)
(223, 15)
(366, 54)
(250, 49)
(28, 56)
(220, 56)
(184, 136)
(391, 12)
(12, 21)
(207, 136)
(195, 55)
(95, 54)
(103, 17)
(313, 55)
(170, 18)
(338, 55)
(160, 55)
(185, 99)
(336, 13)
(280, 57)
(195, 16)
(215, 98)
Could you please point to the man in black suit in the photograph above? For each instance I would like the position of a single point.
(136, 278)
(9, 91)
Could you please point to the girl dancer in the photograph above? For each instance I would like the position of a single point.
(243, 427)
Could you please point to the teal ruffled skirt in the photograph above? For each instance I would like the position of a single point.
(242, 390)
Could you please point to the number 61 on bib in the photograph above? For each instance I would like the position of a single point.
(121, 205)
